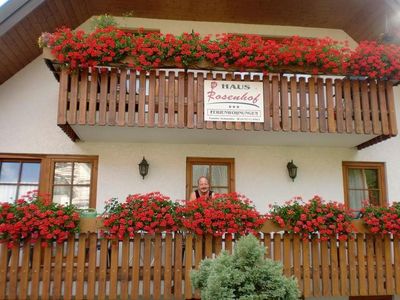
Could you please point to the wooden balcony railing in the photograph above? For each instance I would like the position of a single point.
(123, 97)
(155, 266)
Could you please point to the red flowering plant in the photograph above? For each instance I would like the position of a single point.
(315, 218)
(35, 217)
(382, 220)
(109, 45)
(151, 213)
(375, 60)
(223, 213)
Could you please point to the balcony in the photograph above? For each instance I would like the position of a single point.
(155, 266)
(119, 104)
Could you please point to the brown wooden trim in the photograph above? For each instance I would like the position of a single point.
(229, 162)
(375, 140)
(47, 169)
(346, 165)
(69, 132)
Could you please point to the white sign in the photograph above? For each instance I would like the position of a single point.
(235, 101)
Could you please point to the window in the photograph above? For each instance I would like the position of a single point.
(364, 181)
(220, 172)
(66, 178)
(17, 177)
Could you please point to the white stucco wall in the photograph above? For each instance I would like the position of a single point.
(28, 110)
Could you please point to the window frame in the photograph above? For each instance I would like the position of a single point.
(225, 161)
(47, 163)
(379, 166)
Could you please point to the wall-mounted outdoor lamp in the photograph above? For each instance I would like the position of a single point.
(143, 167)
(292, 169)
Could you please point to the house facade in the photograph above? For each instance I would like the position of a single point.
(87, 156)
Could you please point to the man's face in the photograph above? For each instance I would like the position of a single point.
(203, 185)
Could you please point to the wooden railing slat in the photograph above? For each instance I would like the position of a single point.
(147, 266)
(58, 271)
(316, 269)
(348, 106)
(366, 111)
(396, 248)
(13, 273)
(209, 124)
(63, 97)
(330, 106)
(339, 105)
(275, 104)
(157, 267)
(171, 99)
(83, 97)
(306, 268)
(103, 97)
(132, 98)
(92, 253)
(73, 99)
(24, 277)
(168, 266)
(257, 125)
(200, 102)
(190, 100)
(136, 266)
(46, 273)
(277, 246)
(391, 108)
(198, 257)
(124, 293)
(284, 104)
(383, 107)
(303, 105)
(92, 97)
(142, 99)
(113, 290)
(178, 266)
(80, 271)
(379, 266)
(3, 270)
(208, 246)
(188, 266)
(122, 107)
(296, 259)
(355, 88)
(371, 265)
(352, 267)
(152, 105)
(321, 105)
(362, 280)
(343, 269)
(103, 270)
(112, 102)
(35, 279)
(334, 267)
(267, 103)
(69, 269)
(247, 125)
(388, 265)
(219, 124)
(326, 284)
(312, 105)
(287, 254)
(181, 100)
(294, 104)
(376, 125)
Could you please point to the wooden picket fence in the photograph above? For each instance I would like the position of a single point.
(124, 97)
(158, 266)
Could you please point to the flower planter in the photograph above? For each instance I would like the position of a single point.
(88, 225)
